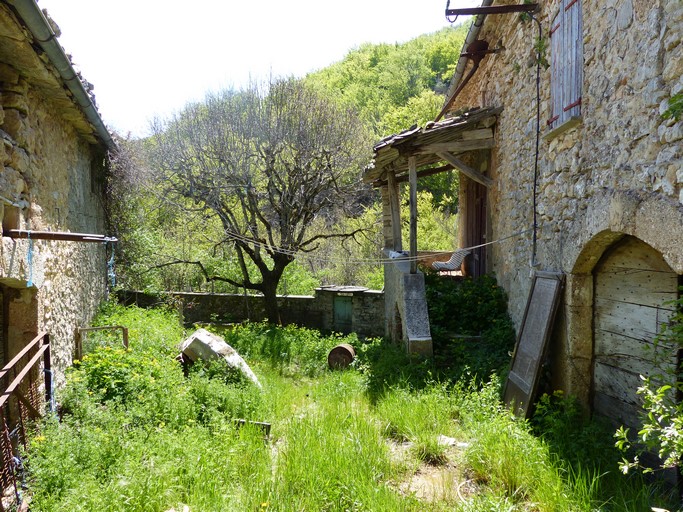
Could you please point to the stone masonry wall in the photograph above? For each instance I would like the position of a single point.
(310, 311)
(632, 65)
(45, 185)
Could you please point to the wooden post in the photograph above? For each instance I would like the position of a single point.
(412, 179)
(395, 206)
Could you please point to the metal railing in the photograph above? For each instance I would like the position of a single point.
(13, 417)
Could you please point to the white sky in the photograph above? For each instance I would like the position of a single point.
(151, 57)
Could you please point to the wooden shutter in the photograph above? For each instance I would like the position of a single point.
(566, 47)
(574, 59)
(556, 75)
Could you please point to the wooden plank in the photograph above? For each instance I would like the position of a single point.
(631, 320)
(644, 287)
(395, 207)
(412, 170)
(617, 412)
(619, 383)
(544, 298)
(637, 355)
(482, 133)
(466, 169)
(456, 146)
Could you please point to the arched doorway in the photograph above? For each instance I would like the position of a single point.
(632, 286)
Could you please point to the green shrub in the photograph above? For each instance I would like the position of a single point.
(471, 328)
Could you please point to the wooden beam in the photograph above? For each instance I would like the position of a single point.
(395, 206)
(466, 169)
(481, 133)
(456, 146)
(412, 173)
(420, 174)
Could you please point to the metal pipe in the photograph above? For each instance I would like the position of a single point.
(36, 22)
(57, 235)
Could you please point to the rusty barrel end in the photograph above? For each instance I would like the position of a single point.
(341, 356)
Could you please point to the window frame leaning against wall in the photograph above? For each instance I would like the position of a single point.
(566, 53)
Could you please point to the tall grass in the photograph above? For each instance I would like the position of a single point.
(135, 434)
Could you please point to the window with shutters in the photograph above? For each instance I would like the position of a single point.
(566, 47)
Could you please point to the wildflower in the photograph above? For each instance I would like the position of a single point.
(39, 439)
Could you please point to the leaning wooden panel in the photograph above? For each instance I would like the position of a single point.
(532, 341)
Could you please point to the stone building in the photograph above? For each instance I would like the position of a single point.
(53, 154)
(598, 196)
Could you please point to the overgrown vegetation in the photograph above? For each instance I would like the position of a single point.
(470, 325)
(137, 435)
(662, 417)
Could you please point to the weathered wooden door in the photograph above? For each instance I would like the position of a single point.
(343, 314)
(475, 225)
(633, 283)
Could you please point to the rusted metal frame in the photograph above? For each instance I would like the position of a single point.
(41, 337)
(569, 5)
(27, 403)
(7, 465)
(572, 105)
(20, 376)
(492, 9)
(79, 339)
(476, 52)
(57, 235)
(412, 171)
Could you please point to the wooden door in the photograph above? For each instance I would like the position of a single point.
(475, 226)
(343, 314)
(633, 284)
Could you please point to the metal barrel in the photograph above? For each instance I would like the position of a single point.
(341, 356)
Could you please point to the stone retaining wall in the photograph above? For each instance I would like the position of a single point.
(306, 310)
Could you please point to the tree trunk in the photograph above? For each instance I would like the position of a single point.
(269, 290)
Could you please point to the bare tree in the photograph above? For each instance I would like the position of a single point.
(267, 161)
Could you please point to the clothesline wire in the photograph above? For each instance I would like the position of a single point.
(371, 261)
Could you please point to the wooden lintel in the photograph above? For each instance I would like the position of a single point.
(456, 146)
(466, 169)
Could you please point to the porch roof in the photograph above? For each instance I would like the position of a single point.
(469, 131)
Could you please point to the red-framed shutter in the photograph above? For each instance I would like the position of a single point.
(573, 76)
(556, 71)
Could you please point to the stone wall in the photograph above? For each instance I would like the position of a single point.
(618, 172)
(310, 311)
(45, 185)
